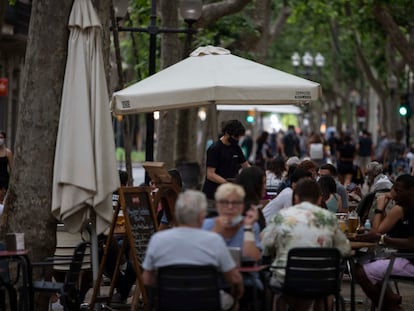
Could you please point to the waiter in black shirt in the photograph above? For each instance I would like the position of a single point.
(224, 157)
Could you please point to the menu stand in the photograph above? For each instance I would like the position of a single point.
(140, 224)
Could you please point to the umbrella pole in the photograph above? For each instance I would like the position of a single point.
(94, 253)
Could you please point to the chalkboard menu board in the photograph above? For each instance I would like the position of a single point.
(140, 219)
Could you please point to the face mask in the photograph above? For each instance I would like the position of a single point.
(1, 141)
(236, 220)
(233, 141)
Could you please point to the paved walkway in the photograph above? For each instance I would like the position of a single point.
(406, 291)
(363, 304)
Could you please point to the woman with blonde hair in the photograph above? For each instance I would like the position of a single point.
(239, 228)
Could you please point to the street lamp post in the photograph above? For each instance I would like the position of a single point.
(308, 62)
(319, 62)
(296, 61)
(190, 11)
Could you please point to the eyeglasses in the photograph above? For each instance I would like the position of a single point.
(226, 202)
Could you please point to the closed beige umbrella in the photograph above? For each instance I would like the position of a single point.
(85, 172)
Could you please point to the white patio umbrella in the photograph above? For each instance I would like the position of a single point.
(293, 109)
(212, 75)
(85, 172)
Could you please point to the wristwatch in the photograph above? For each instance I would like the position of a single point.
(379, 211)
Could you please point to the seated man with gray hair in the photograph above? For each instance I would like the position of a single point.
(376, 178)
(378, 183)
(189, 244)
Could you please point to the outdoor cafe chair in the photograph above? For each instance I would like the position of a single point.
(312, 273)
(187, 288)
(395, 278)
(69, 289)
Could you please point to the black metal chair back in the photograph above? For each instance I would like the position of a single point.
(69, 290)
(188, 288)
(70, 293)
(313, 272)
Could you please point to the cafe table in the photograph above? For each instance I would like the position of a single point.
(359, 250)
(21, 257)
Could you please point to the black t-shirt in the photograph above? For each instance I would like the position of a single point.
(404, 228)
(346, 151)
(291, 142)
(227, 160)
(365, 146)
(332, 142)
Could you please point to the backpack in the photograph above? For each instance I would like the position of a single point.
(365, 205)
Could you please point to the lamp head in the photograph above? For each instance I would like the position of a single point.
(392, 82)
(319, 60)
(295, 59)
(307, 59)
(120, 8)
(190, 10)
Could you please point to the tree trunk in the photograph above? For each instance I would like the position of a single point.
(170, 54)
(166, 137)
(28, 201)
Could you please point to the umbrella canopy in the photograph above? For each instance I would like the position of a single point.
(262, 108)
(85, 172)
(214, 75)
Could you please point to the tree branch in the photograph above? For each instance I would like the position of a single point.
(214, 11)
(266, 32)
(366, 69)
(383, 16)
(277, 26)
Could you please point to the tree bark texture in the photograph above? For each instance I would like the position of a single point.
(28, 202)
(29, 197)
(170, 54)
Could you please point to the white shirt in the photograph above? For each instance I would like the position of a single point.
(191, 246)
(283, 199)
(316, 151)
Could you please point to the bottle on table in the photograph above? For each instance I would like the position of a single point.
(367, 225)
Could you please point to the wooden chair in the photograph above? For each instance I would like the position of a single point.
(312, 273)
(395, 278)
(69, 289)
(188, 288)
